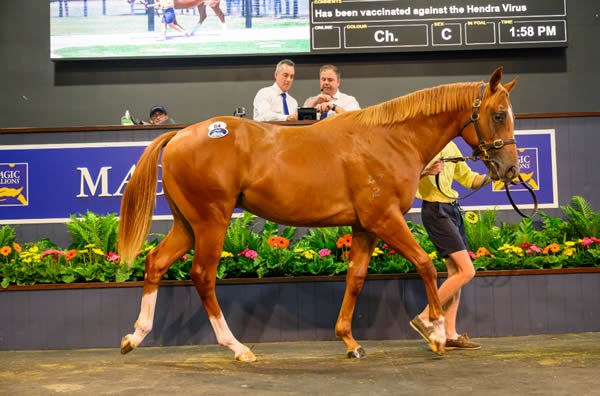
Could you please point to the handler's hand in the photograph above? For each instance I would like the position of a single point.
(434, 169)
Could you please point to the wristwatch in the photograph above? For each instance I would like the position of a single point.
(333, 107)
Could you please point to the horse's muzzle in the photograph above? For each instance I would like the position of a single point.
(498, 172)
(511, 173)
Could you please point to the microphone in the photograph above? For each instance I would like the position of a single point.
(239, 112)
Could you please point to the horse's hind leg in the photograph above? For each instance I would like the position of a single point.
(176, 244)
(363, 244)
(209, 244)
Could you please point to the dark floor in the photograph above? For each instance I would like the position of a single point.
(567, 364)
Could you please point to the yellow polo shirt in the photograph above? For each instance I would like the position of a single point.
(460, 171)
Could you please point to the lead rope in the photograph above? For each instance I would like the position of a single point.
(528, 187)
(487, 176)
(458, 159)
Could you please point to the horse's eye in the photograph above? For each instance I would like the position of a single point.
(499, 116)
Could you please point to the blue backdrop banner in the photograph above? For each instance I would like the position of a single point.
(537, 161)
(48, 183)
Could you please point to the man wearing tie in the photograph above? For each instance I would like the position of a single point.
(274, 103)
(331, 101)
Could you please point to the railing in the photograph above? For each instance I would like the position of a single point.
(289, 123)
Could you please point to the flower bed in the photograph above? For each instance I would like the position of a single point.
(247, 253)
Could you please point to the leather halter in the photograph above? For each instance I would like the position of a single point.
(481, 151)
(482, 148)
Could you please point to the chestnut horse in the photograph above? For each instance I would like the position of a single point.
(358, 168)
(201, 4)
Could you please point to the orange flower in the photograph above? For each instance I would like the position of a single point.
(17, 247)
(70, 254)
(5, 251)
(483, 252)
(348, 240)
(345, 255)
(272, 241)
(278, 242)
(553, 247)
(283, 242)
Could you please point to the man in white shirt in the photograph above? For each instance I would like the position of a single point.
(331, 101)
(274, 103)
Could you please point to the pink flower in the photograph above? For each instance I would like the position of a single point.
(184, 257)
(248, 253)
(391, 251)
(526, 245)
(251, 254)
(112, 257)
(533, 249)
(385, 246)
(595, 239)
(472, 255)
(51, 251)
(324, 252)
(586, 241)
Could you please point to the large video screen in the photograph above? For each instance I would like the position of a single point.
(95, 29)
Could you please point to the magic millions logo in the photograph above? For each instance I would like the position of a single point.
(528, 163)
(14, 189)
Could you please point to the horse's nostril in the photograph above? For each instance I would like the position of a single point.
(512, 172)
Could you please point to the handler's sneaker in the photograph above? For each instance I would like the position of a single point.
(425, 329)
(462, 342)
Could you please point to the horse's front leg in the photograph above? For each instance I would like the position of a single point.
(395, 232)
(363, 243)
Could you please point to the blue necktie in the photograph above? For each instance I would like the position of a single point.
(286, 111)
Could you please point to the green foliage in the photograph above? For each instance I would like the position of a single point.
(483, 232)
(581, 220)
(7, 236)
(101, 231)
(554, 230)
(240, 234)
(322, 251)
(525, 232)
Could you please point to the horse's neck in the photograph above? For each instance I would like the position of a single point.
(432, 134)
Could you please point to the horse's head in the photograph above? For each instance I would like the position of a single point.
(492, 133)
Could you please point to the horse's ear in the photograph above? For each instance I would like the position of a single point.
(495, 79)
(510, 85)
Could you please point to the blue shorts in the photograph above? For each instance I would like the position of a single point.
(445, 225)
(168, 16)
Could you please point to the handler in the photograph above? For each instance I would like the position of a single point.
(443, 221)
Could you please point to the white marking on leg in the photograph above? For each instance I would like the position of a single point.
(225, 337)
(143, 326)
(438, 335)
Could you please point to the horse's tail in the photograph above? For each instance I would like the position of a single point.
(137, 204)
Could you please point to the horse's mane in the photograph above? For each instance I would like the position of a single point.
(427, 102)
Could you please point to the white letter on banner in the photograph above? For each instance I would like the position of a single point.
(119, 193)
(124, 182)
(102, 176)
(159, 181)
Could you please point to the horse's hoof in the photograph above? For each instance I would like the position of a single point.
(358, 353)
(126, 345)
(247, 356)
(438, 347)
